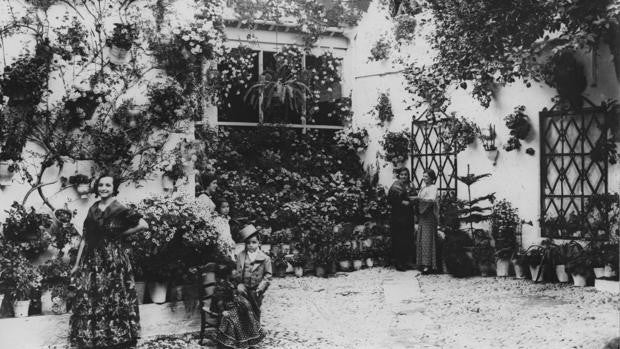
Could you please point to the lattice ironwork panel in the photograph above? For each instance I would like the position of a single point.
(569, 177)
(427, 151)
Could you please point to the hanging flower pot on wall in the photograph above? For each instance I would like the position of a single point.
(7, 171)
(568, 78)
(83, 190)
(118, 55)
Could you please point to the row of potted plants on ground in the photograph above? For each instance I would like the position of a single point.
(552, 262)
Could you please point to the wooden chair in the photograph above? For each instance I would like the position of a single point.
(207, 318)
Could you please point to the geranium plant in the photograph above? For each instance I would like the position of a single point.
(381, 50)
(396, 146)
(27, 229)
(21, 278)
(519, 125)
(351, 138)
(124, 35)
(383, 109)
(166, 105)
(458, 133)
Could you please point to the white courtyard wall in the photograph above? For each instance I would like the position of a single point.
(516, 176)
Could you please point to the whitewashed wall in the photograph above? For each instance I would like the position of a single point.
(58, 197)
(516, 176)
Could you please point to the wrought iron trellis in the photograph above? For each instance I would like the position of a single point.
(428, 151)
(568, 174)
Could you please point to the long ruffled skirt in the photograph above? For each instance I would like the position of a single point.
(105, 310)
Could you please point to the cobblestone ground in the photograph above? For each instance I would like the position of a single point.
(382, 308)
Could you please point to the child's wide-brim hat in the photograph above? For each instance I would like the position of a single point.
(247, 231)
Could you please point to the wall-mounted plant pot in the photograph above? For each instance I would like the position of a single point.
(6, 174)
(20, 308)
(492, 155)
(560, 272)
(118, 55)
(84, 167)
(167, 183)
(83, 190)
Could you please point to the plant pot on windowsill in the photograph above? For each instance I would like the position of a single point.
(7, 171)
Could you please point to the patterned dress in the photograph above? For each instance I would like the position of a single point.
(426, 244)
(105, 310)
(239, 325)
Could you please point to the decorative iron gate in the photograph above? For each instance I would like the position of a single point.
(428, 151)
(569, 177)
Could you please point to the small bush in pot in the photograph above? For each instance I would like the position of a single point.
(519, 262)
(579, 266)
(55, 279)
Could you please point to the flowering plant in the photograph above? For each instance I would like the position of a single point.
(457, 134)
(166, 104)
(381, 50)
(80, 105)
(123, 35)
(27, 229)
(55, 274)
(24, 80)
(21, 278)
(404, 29)
(383, 108)
(355, 139)
(396, 146)
(237, 71)
(71, 39)
(519, 126)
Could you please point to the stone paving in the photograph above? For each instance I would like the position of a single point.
(382, 308)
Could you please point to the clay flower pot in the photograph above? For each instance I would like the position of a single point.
(83, 190)
(599, 272)
(579, 280)
(344, 265)
(118, 55)
(299, 271)
(534, 271)
(158, 291)
(320, 271)
(357, 264)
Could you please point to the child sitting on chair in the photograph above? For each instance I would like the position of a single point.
(238, 323)
(253, 268)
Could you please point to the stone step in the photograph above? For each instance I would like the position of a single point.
(51, 331)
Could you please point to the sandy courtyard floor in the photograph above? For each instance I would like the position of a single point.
(382, 308)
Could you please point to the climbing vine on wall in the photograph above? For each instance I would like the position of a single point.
(490, 43)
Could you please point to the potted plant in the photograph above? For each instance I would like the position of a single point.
(381, 50)
(166, 104)
(123, 37)
(22, 279)
(8, 168)
(27, 229)
(356, 257)
(298, 261)
(534, 259)
(561, 254)
(483, 253)
(504, 221)
(279, 264)
(519, 262)
(172, 171)
(55, 280)
(383, 109)
(457, 133)
(579, 265)
(81, 183)
(395, 146)
(519, 126)
(25, 79)
(597, 256)
(344, 258)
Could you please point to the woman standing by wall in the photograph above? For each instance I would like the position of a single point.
(428, 217)
(105, 310)
(401, 221)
